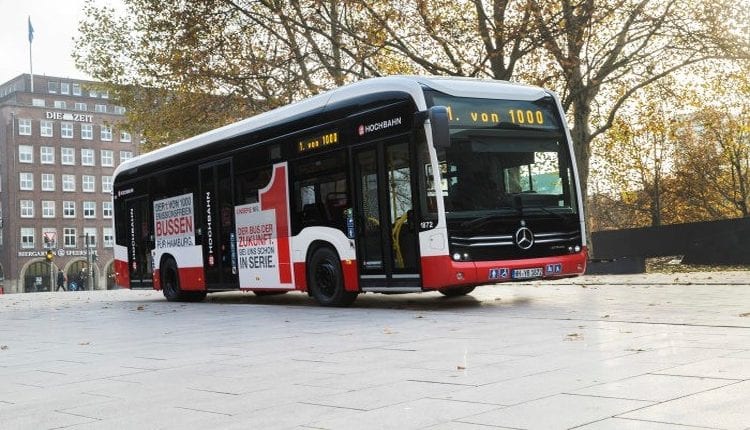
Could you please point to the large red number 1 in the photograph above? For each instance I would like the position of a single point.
(276, 196)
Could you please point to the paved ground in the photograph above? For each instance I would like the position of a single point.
(662, 352)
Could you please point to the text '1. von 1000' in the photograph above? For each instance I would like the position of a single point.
(318, 141)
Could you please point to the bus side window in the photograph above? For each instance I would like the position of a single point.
(248, 184)
(320, 193)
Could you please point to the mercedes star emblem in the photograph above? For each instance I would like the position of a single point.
(524, 238)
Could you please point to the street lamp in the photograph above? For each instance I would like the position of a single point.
(89, 285)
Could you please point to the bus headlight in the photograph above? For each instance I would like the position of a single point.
(457, 256)
(577, 248)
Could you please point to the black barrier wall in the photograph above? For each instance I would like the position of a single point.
(724, 242)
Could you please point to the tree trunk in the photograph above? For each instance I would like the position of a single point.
(581, 134)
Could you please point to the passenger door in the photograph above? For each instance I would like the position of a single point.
(140, 242)
(387, 248)
(217, 234)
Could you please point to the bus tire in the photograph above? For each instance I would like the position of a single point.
(456, 291)
(170, 282)
(325, 279)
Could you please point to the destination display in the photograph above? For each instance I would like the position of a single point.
(489, 113)
(319, 141)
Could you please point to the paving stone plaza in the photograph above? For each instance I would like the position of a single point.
(654, 352)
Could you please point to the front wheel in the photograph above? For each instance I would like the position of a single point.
(326, 280)
(456, 291)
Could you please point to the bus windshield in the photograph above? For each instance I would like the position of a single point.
(505, 157)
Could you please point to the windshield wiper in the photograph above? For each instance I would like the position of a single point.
(481, 220)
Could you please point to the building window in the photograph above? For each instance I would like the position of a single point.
(38, 102)
(90, 233)
(76, 89)
(69, 209)
(89, 209)
(60, 104)
(88, 183)
(107, 158)
(49, 236)
(24, 127)
(52, 87)
(47, 128)
(66, 130)
(107, 210)
(106, 134)
(106, 184)
(47, 155)
(87, 157)
(125, 136)
(64, 88)
(48, 209)
(108, 237)
(87, 131)
(69, 237)
(119, 110)
(69, 183)
(27, 237)
(125, 156)
(26, 181)
(68, 156)
(27, 208)
(80, 106)
(100, 108)
(92, 93)
(25, 154)
(104, 94)
(48, 182)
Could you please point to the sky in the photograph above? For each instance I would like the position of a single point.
(55, 24)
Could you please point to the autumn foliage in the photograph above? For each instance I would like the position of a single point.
(650, 147)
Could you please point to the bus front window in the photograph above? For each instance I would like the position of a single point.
(503, 173)
(505, 157)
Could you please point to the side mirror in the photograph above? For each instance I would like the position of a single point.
(438, 117)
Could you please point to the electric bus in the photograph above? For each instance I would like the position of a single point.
(389, 185)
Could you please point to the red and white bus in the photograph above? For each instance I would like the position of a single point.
(390, 185)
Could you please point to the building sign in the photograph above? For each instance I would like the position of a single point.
(60, 253)
(174, 222)
(79, 117)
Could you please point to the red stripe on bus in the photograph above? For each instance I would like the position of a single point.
(351, 275)
(300, 276)
(191, 279)
(441, 271)
(122, 274)
(275, 197)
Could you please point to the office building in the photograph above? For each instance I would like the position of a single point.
(59, 146)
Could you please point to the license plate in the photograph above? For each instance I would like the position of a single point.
(536, 272)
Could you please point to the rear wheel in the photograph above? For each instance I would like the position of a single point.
(170, 284)
(326, 280)
(456, 291)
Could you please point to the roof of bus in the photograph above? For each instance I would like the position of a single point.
(413, 85)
